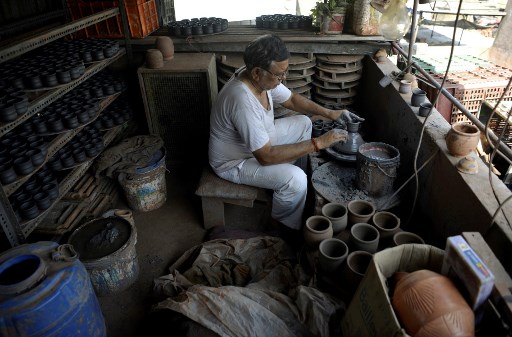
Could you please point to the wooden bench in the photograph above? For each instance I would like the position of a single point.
(215, 192)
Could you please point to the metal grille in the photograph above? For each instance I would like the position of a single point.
(179, 113)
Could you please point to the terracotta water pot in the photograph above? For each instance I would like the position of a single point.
(428, 304)
(462, 138)
(317, 228)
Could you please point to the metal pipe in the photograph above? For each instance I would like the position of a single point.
(503, 148)
(412, 39)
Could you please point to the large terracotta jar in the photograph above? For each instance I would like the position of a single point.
(428, 304)
(462, 138)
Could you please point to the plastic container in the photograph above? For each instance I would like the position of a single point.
(146, 190)
(46, 291)
(106, 247)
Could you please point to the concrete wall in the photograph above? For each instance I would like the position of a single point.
(448, 202)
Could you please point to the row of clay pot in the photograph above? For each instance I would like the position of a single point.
(103, 84)
(116, 114)
(89, 50)
(197, 26)
(36, 195)
(322, 126)
(45, 74)
(369, 231)
(56, 63)
(283, 21)
(13, 103)
(20, 154)
(86, 145)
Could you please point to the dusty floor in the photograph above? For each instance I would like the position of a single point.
(163, 235)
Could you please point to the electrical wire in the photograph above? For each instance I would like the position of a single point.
(415, 163)
(495, 150)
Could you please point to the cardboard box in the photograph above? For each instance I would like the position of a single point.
(461, 263)
(370, 312)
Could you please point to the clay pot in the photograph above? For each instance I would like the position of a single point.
(154, 59)
(364, 236)
(402, 238)
(386, 223)
(468, 165)
(405, 87)
(317, 228)
(418, 97)
(357, 264)
(424, 109)
(125, 214)
(462, 138)
(360, 211)
(428, 304)
(338, 215)
(332, 253)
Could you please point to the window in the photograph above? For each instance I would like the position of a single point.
(238, 10)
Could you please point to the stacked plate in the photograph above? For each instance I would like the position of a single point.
(300, 74)
(227, 64)
(336, 79)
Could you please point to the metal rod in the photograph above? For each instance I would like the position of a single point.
(504, 149)
(414, 31)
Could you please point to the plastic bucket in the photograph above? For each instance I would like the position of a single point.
(146, 190)
(377, 165)
(106, 247)
(46, 291)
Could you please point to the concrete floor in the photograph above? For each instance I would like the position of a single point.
(163, 235)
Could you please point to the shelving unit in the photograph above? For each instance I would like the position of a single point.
(15, 230)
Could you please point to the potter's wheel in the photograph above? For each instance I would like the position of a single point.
(337, 183)
(331, 151)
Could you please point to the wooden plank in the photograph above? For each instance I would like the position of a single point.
(501, 295)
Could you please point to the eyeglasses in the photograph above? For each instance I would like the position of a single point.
(280, 77)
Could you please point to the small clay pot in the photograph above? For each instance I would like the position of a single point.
(36, 156)
(462, 138)
(154, 59)
(52, 189)
(317, 228)
(23, 165)
(7, 174)
(402, 238)
(355, 268)
(364, 236)
(360, 211)
(28, 210)
(424, 109)
(67, 159)
(386, 223)
(332, 253)
(405, 87)
(418, 97)
(42, 200)
(338, 215)
(166, 47)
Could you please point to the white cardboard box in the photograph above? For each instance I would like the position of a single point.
(461, 262)
(370, 312)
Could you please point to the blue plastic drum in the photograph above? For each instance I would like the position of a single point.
(46, 291)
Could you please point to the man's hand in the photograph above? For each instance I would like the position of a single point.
(348, 117)
(331, 137)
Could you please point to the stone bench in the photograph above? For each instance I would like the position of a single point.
(215, 192)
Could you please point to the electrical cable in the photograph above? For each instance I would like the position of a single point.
(415, 162)
(495, 150)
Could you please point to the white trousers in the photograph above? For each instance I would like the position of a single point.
(288, 181)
